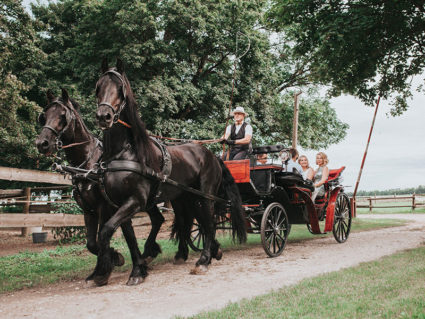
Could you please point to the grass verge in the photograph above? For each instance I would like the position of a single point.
(391, 287)
(74, 262)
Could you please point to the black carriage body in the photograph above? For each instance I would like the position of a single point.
(268, 193)
(260, 185)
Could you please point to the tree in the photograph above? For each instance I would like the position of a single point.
(19, 66)
(362, 47)
(179, 57)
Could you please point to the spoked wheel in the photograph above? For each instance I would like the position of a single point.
(274, 229)
(342, 218)
(197, 237)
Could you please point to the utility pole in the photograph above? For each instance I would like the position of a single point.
(295, 122)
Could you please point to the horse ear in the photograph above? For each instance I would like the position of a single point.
(65, 96)
(104, 67)
(50, 96)
(120, 66)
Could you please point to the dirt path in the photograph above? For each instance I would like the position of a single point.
(170, 290)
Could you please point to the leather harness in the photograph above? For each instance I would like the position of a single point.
(117, 165)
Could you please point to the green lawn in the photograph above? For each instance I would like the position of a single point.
(392, 287)
(33, 269)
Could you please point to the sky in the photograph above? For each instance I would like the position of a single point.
(396, 154)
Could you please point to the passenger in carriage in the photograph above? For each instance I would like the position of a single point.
(262, 159)
(238, 135)
(293, 166)
(320, 175)
(308, 172)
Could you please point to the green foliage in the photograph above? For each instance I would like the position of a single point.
(19, 66)
(361, 47)
(179, 57)
(69, 233)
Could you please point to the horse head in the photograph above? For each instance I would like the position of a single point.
(57, 121)
(111, 94)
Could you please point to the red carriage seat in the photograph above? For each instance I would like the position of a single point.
(334, 173)
(331, 181)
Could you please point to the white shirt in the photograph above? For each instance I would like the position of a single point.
(291, 165)
(248, 129)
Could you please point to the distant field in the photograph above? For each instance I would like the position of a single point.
(376, 204)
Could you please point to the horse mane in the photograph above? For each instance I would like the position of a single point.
(142, 143)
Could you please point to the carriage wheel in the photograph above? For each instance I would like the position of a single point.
(342, 218)
(274, 229)
(309, 229)
(197, 237)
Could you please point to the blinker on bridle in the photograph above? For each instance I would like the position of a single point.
(70, 118)
(116, 113)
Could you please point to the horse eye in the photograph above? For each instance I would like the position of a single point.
(42, 119)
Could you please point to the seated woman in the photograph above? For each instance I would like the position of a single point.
(320, 175)
(308, 172)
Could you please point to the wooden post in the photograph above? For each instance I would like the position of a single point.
(413, 201)
(370, 204)
(295, 121)
(353, 207)
(26, 208)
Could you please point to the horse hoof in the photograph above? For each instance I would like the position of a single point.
(118, 259)
(148, 260)
(179, 261)
(133, 281)
(219, 254)
(199, 270)
(101, 280)
(90, 278)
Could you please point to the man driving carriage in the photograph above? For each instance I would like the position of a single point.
(238, 135)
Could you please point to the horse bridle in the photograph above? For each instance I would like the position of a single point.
(124, 92)
(69, 116)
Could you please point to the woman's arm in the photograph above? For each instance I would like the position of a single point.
(310, 174)
(325, 175)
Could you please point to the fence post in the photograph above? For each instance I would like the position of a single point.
(370, 204)
(26, 208)
(413, 201)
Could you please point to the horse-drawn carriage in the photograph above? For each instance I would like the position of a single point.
(274, 200)
(133, 172)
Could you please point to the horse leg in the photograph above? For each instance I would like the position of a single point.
(136, 275)
(152, 248)
(181, 228)
(204, 217)
(105, 264)
(91, 220)
(94, 224)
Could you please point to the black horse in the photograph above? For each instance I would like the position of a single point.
(64, 127)
(133, 163)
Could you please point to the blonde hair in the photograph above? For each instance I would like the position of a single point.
(325, 158)
(303, 156)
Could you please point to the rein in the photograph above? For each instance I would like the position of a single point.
(123, 104)
(177, 140)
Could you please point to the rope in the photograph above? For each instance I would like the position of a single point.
(183, 140)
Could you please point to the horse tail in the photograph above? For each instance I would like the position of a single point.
(231, 192)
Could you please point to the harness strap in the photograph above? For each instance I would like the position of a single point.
(131, 166)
